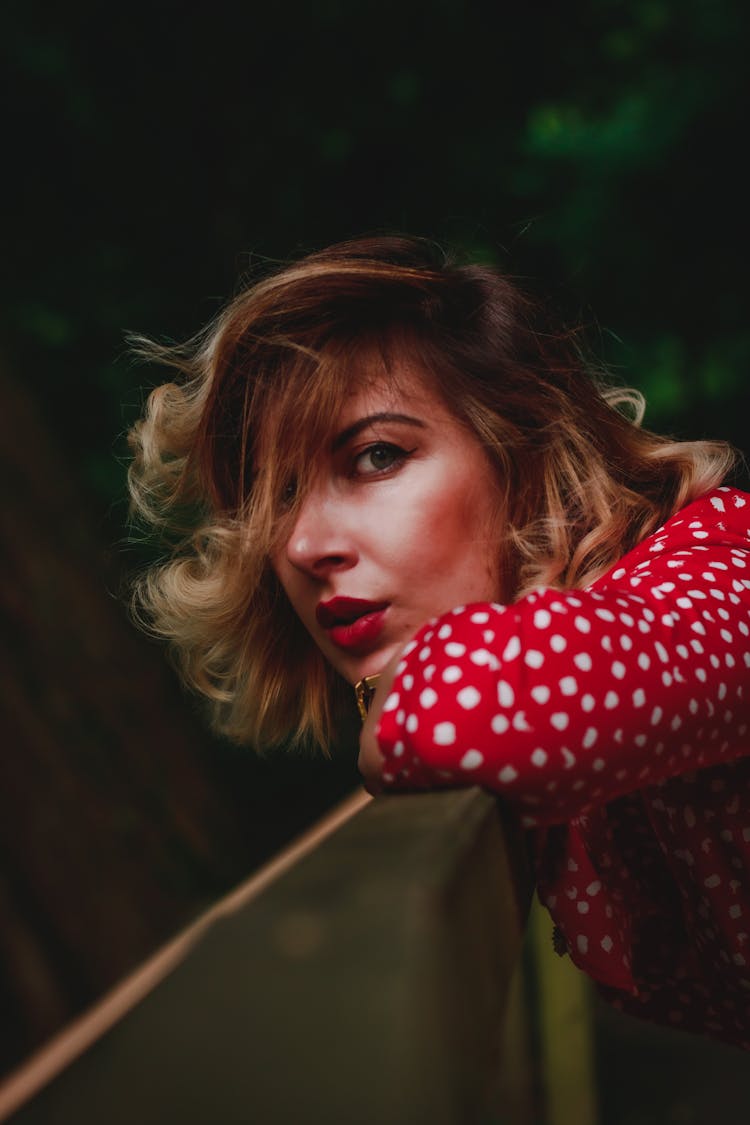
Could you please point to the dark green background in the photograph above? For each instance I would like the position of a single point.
(153, 154)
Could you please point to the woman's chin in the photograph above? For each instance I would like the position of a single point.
(369, 668)
(355, 669)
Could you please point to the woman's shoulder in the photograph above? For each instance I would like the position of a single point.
(723, 509)
(724, 505)
(717, 521)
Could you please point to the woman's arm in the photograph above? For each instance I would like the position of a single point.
(573, 698)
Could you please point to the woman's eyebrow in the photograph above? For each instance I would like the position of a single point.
(362, 424)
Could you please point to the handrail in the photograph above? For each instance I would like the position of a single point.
(367, 982)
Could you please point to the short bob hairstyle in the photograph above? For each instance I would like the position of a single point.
(257, 395)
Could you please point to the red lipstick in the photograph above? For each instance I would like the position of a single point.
(351, 623)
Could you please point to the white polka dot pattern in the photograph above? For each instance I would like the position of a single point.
(622, 712)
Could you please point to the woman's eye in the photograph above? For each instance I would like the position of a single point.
(288, 493)
(379, 458)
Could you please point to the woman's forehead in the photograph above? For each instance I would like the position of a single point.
(400, 392)
(309, 418)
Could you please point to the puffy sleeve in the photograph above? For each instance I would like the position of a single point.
(573, 698)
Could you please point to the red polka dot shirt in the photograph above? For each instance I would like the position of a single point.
(616, 720)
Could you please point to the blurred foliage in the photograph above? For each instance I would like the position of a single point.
(594, 147)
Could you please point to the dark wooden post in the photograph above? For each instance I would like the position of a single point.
(367, 983)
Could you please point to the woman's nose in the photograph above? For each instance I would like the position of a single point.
(321, 541)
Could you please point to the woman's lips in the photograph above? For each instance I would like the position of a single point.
(360, 633)
(351, 623)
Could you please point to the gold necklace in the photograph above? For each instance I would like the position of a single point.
(364, 691)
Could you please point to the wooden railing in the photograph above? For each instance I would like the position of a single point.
(363, 977)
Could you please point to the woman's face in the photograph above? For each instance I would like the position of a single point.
(398, 527)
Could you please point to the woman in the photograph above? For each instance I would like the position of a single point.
(380, 463)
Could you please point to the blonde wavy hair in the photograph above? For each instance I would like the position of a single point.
(257, 396)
